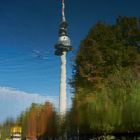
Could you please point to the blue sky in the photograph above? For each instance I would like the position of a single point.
(30, 26)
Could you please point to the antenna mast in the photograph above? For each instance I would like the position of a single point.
(63, 11)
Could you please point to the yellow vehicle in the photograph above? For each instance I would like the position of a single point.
(16, 133)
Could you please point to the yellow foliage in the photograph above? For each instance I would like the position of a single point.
(16, 129)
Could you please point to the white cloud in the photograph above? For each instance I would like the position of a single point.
(13, 101)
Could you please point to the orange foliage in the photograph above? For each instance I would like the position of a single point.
(38, 120)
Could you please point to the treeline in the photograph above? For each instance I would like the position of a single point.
(39, 121)
(106, 83)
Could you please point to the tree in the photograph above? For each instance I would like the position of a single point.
(6, 128)
(106, 71)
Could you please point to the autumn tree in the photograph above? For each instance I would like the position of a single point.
(38, 121)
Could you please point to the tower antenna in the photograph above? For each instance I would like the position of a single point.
(63, 11)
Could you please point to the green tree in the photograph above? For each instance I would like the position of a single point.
(6, 128)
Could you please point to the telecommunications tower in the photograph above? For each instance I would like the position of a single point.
(61, 48)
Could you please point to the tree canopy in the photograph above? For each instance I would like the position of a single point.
(106, 77)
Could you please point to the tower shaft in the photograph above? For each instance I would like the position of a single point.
(62, 98)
